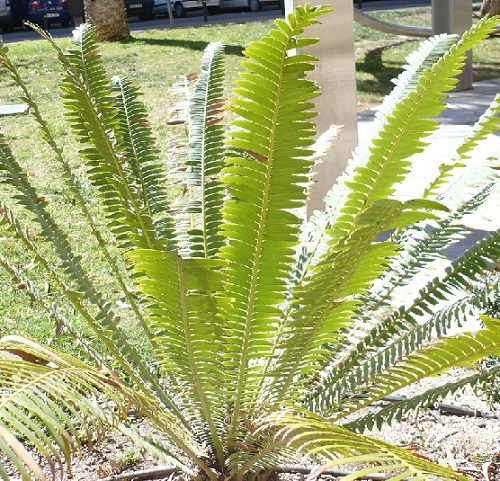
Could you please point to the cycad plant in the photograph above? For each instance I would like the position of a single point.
(260, 332)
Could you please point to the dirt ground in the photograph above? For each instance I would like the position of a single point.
(465, 443)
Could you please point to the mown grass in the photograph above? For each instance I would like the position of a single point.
(153, 60)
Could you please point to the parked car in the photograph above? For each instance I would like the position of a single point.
(160, 7)
(46, 12)
(6, 22)
(142, 9)
(180, 7)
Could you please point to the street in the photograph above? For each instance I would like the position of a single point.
(195, 18)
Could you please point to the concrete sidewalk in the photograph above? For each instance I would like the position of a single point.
(463, 110)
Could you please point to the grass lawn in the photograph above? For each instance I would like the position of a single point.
(153, 60)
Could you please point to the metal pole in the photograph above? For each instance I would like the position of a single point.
(205, 11)
(454, 16)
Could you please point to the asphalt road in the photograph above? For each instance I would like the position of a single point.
(195, 18)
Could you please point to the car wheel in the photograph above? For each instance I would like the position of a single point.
(179, 10)
(254, 5)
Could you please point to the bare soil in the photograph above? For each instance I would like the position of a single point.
(465, 443)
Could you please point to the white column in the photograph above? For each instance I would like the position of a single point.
(336, 76)
(454, 16)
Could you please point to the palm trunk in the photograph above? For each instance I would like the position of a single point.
(109, 19)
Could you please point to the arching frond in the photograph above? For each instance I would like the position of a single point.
(425, 102)
(102, 322)
(449, 352)
(74, 279)
(72, 184)
(54, 400)
(401, 130)
(330, 445)
(422, 245)
(51, 400)
(397, 410)
(382, 343)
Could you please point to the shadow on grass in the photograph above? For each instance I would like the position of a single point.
(373, 64)
(486, 71)
(383, 71)
(189, 44)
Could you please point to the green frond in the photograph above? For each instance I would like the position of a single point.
(383, 342)
(409, 122)
(99, 316)
(11, 173)
(386, 343)
(71, 182)
(147, 175)
(327, 301)
(404, 122)
(171, 311)
(397, 410)
(183, 313)
(331, 445)
(84, 69)
(184, 447)
(423, 58)
(422, 245)
(266, 186)
(63, 400)
(92, 112)
(34, 109)
(269, 456)
(206, 156)
(455, 351)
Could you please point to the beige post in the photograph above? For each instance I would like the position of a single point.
(336, 76)
(454, 16)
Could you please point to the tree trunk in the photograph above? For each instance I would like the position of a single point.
(109, 19)
(490, 7)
